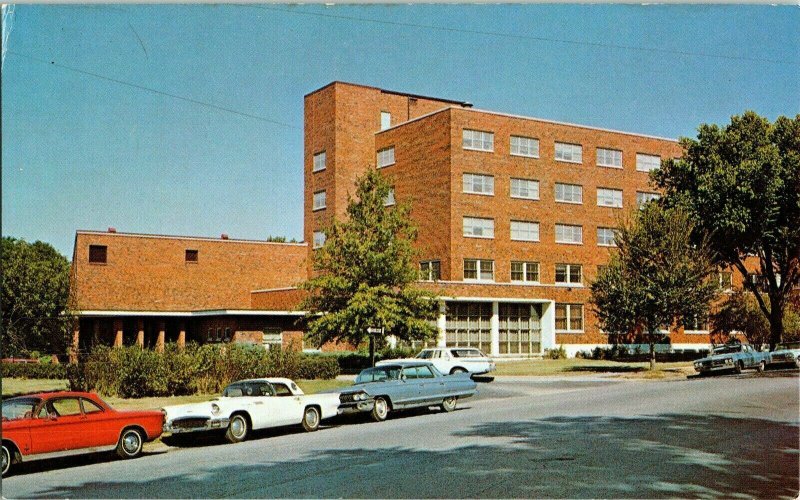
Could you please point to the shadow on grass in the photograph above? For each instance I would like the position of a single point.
(607, 369)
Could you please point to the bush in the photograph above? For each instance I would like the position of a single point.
(33, 370)
(559, 353)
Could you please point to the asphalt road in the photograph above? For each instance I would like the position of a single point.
(731, 437)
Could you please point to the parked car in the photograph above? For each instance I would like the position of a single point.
(734, 357)
(56, 424)
(454, 360)
(252, 404)
(786, 353)
(405, 384)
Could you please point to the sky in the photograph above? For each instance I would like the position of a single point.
(85, 145)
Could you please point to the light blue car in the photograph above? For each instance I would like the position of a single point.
(404, 384)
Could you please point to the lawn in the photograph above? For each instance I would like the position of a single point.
(575, 366)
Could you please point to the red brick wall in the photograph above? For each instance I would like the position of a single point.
(278, 300)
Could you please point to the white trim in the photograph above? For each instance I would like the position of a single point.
(495, 299)
(191, 238)
(275, 289)
(193, 314)
(501, 283)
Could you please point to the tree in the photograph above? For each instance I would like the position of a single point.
(366, 269)
(35, 294)
(656, 279)
(741, 185)
(741, 313)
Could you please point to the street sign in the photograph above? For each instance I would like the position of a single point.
(374, 331)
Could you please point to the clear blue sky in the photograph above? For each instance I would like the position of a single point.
(80, 152)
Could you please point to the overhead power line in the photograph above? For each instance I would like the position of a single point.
(521, 37)
(154, 91)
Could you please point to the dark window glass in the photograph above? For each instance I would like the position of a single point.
(191, 255)
(98, 254)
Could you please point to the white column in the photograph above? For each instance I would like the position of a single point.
(392, 341)
(441, 325)
(494, 325)
(548, 325)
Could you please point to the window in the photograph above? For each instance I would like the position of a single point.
(430, 270)
(386, 120)
(469, 324)
(210, 337)
(319, 161)
(696, 324)
(607, 197)
(386, 157)
(725, 280)
(475, 227)
(570, 274)
(524, 146)
(219, 334)
(520, 328)
(572, 153)
(525, 272)
(272, 338)
(646, 163)
(643, 197)
(477, 140)
(475, 269)
(90, 406)
(98, 254)
(191, 255)
(524, 231)
(569, 317)
(609, 158)
(478, 184)
(227, 334)
(319, 200)
(605, 237)
(524, 188)
(389, 200)
(319, 239)
(566, 233)
(66, 406)
(569, 193)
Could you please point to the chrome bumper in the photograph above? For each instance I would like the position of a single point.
(356, 407)
(210, 425)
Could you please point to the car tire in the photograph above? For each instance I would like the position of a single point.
(130, 443)
(6, 460)
(738, 367)
(457, 369)
(380, 410)
(311, 419)
(449, 404)
(238, 428)
(797, 363)
(761, 367)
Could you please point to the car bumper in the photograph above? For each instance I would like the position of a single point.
(211, 424)
(706, 369)
(356, 407)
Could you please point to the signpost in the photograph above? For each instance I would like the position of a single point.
(372, 331)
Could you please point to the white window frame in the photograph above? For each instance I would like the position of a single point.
(568, 270)
(426, 268)
(319, 239)
(525, 265)
(615, 153)
(525, 227)
(644, 162)
(468, 184)
(531, 185)
(611, 194)
(389, 200)
(320, 162)
(605, 231)
(385, 157)
(386, 120)
(571, 188)
(527, 147)
(319, 202)
(477, 140)
(484, 224)
(568, 152)
(643, 197)
(572, 227)
(480, 266)
(568, 317)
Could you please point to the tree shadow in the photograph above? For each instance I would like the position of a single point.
(662, 456)
(607, 369)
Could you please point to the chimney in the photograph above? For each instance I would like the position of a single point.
(224, 236)
(112, 229)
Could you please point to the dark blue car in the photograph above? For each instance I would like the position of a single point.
(404, 384)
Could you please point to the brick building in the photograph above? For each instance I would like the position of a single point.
(515, 215)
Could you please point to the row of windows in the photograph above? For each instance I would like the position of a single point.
(320, 202)
(521, 271)
(565, 193)
(480, 227)
(478, 140)
(98, 254)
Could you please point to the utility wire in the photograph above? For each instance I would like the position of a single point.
(522, 37)
(154, 91)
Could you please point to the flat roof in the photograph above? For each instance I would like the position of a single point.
(394, 92)
(178, 237)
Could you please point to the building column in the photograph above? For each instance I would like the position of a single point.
(161, 336)
(96, 324)
(441, 325)
(494, 329)
(76, 338)
(182, 335)
(117, 332)
(547, 324)
(140, 332)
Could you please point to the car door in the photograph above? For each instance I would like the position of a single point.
(407, 388)
(430, 389)
(104, 424)
(60, 426)
(286, 407)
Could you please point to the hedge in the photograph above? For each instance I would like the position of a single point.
(33, 370)
(354, 362)
(132, 372)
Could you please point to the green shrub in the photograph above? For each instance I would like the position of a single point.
(559, 353)
(33, 370)
(318, 367)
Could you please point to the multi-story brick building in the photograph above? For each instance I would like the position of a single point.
(515, 215)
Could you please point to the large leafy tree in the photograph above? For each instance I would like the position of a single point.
(365, 273)
(35, 294)
(741, 184)
(657, 278)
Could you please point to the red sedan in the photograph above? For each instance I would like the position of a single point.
(57, 424)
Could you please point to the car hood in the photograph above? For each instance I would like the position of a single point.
(189, 409)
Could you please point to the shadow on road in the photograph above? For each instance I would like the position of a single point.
(577, 457)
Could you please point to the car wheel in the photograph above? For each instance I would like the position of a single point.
(311, 419)
(739, 367)
(237, 429)
(449, 404)
(380, 410)
(761, 367)
(797, 362)
(6, 460)
(457, 370)
(130, 443)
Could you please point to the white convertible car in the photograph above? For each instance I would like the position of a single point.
(252, 404)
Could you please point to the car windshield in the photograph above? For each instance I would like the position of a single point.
(14, 409)
(240, 389)
(787, 346)
(726, 349)
(378, 374)
(467, 353)
(425, 355)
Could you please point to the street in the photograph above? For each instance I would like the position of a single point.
(731, 437)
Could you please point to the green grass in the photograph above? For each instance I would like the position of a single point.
(13, 386)
(575, 366)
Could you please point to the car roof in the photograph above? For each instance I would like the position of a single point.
(406, 362)
(271, 380)
(55, 394)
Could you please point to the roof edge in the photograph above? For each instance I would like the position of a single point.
(180, 237)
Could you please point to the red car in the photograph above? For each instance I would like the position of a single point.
(56, 424)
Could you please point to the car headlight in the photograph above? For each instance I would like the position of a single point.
(790, 355)
(361, 396)
(728, 361)
(215, 409)
(698, 365)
